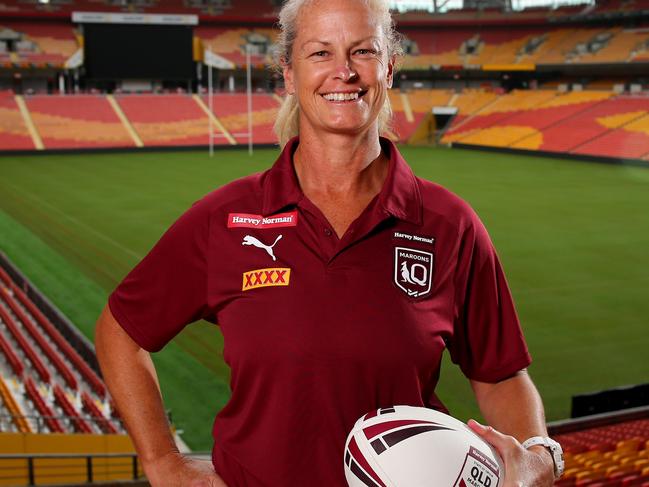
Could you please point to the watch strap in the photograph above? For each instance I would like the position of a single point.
(555, 450)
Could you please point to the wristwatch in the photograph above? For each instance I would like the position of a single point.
(555, 450)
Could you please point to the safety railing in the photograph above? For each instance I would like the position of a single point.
(74, 469)
(39, 469)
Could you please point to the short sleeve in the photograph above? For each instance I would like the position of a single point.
(487, 342)
(167, 290)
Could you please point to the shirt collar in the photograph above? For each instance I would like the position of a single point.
(399, 197)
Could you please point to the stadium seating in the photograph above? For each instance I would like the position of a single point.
(232, 112)
(13, 131)
(608, 456)
(501, 46)
(485, 126)
(11, 406)
(31, 348)
(619, 48)
(35, 361)
(630, 140)
(586, 122)
(584, 127)
(166, 120)
(53, 424)
(547, 114)
(410, 108)
(79, 424)
(79, 121)
(440, 47)
(54, 42)
(230, 43)
(45, 347)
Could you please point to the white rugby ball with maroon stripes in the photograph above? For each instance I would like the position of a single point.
(405, 446)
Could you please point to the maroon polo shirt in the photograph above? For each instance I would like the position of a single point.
(319, 330)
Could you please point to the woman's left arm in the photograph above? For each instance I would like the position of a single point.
(514, 412)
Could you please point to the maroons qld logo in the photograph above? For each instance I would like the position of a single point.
(478, 471)
(413, 271)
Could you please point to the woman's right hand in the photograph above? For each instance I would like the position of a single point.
(176, 470)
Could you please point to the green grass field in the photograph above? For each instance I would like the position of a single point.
(573, 238)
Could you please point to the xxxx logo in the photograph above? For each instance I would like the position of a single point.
(276, 276)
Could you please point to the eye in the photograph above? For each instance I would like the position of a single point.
(365, 52)
(320, 53)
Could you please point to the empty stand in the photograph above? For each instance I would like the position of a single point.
(11, 357)
(587, 122)
(42, 343)
(164, 120)
(483, 128)
(31, 348)
(25, 346)
(586, 126)
(410, 108)
(77, 121)
(609, 456)
(232, 112)
(230, 43)
(89, 405)
(12, 407)
(94, 382)
(54, 42)
(47, 414)
(630, 140)
(438, 47)
(80, 425)
(13, 131)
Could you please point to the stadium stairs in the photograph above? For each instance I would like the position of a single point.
(52, 400)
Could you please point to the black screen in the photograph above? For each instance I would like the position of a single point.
(118, 51)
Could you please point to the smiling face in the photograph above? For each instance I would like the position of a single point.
(339, 68)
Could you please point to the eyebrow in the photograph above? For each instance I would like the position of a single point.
(326, 43)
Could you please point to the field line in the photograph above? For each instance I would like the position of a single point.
(74, 220)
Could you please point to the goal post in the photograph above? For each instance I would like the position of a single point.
(213, 61)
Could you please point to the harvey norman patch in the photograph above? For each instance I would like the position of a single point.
(414, 238)
(478, 471)
(247, 220)
(274, 276)
(413, 270)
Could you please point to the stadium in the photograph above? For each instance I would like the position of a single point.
(116, 115)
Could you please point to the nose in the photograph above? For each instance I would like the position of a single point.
(345, 72)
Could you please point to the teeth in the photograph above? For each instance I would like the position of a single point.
(341, 96)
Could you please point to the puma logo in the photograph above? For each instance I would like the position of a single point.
(250, 240)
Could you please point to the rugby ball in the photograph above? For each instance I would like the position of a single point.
(405, 446)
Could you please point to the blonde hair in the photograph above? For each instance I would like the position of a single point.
(287, 124)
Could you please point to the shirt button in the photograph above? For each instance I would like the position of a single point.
(327, 232)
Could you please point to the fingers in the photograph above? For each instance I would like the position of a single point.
(504, 444)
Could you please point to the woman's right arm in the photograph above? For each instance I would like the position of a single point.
(131, 378)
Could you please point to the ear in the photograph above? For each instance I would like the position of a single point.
(390, 75)
(287, 72)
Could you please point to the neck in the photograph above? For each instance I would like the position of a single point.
(337, 164)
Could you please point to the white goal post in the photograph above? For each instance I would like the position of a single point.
(213, 61)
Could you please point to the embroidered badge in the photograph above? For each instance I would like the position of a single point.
(413, 270)
(247, 220)
(276, 276)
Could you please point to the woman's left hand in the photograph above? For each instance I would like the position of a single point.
(523, 468)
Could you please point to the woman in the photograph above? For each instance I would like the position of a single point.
(337, 278)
